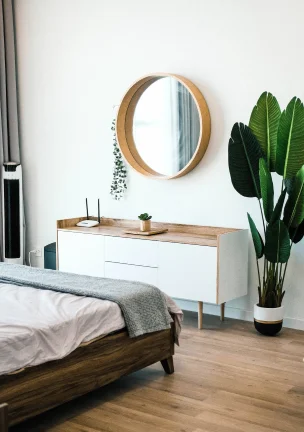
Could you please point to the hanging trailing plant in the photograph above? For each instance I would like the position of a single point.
(119, 182)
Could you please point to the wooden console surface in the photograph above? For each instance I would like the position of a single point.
(177, 233)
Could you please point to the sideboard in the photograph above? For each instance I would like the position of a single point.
(191, 262)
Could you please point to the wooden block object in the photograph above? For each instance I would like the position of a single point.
(146, 233)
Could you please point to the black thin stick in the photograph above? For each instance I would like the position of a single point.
(87, 208)
(98, 212)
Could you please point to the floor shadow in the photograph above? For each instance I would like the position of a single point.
(91, 400)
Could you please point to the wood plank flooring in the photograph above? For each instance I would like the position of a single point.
(227, 378)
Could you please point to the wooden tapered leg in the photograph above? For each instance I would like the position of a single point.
(222, 311)
(200, 315)
(4, 418)
(168, 365)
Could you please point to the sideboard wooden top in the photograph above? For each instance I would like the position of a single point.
(177, 233)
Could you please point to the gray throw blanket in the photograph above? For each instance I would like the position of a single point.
(143, 306)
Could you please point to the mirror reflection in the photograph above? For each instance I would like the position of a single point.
(166, 126)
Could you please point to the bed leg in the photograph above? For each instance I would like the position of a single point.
(4, 418)
(168, 365)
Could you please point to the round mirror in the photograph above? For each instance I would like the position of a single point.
(163, 126)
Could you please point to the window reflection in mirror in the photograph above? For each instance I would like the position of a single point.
(166, 126)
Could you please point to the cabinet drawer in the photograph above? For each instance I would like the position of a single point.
(131, 272)
(131, 251)
(81, 253)
(188, 271)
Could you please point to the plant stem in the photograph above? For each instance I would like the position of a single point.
(284, 274)
(258, 272)
(280, 275)
(276, 272)
(262, 216)
(285, 269)
(265, 261)
(265, 264)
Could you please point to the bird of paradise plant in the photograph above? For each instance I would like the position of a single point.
(273, 142)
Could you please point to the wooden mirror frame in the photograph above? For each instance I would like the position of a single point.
(124, 125)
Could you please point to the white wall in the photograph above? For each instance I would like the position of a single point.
(76, 58)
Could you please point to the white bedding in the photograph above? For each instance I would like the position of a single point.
(37, 326)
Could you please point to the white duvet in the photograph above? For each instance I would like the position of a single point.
(37, 326)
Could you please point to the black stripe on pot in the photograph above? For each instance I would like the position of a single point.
(268, 328)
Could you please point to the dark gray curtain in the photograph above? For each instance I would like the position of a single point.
(9, 131)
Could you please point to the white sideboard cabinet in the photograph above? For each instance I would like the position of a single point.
(202, 264)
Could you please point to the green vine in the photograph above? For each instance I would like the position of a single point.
(119, 181)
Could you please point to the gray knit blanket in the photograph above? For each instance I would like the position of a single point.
(143, 306)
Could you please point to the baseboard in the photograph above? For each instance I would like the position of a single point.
(241, 314)
(294, 323)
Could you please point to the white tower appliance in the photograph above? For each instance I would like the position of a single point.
(13, 213)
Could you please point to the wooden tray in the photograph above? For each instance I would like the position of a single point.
(146, 233)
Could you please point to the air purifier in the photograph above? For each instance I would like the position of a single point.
(13, 213)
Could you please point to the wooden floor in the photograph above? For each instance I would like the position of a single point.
(228, 378)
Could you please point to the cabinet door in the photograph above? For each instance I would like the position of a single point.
(81, 253)
(131, 272)
(188, 271)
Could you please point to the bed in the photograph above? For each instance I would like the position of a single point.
(54, 373)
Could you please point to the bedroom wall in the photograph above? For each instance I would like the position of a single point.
(76, 58)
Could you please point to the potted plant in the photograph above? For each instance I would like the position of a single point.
(272, 143)
(145, 222)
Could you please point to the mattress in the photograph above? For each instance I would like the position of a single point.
(37, 326)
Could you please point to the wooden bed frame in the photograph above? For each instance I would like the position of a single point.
(40, 388)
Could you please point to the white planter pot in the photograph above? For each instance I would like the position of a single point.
(268, 321)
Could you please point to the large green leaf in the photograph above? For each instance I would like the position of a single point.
(244, 153)
(296, 234)
(276, 214)
(264, 122)
(277, 243)
(294, 208)
(266, 189)
(289, 182)
(256, 237)
(290, 146)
